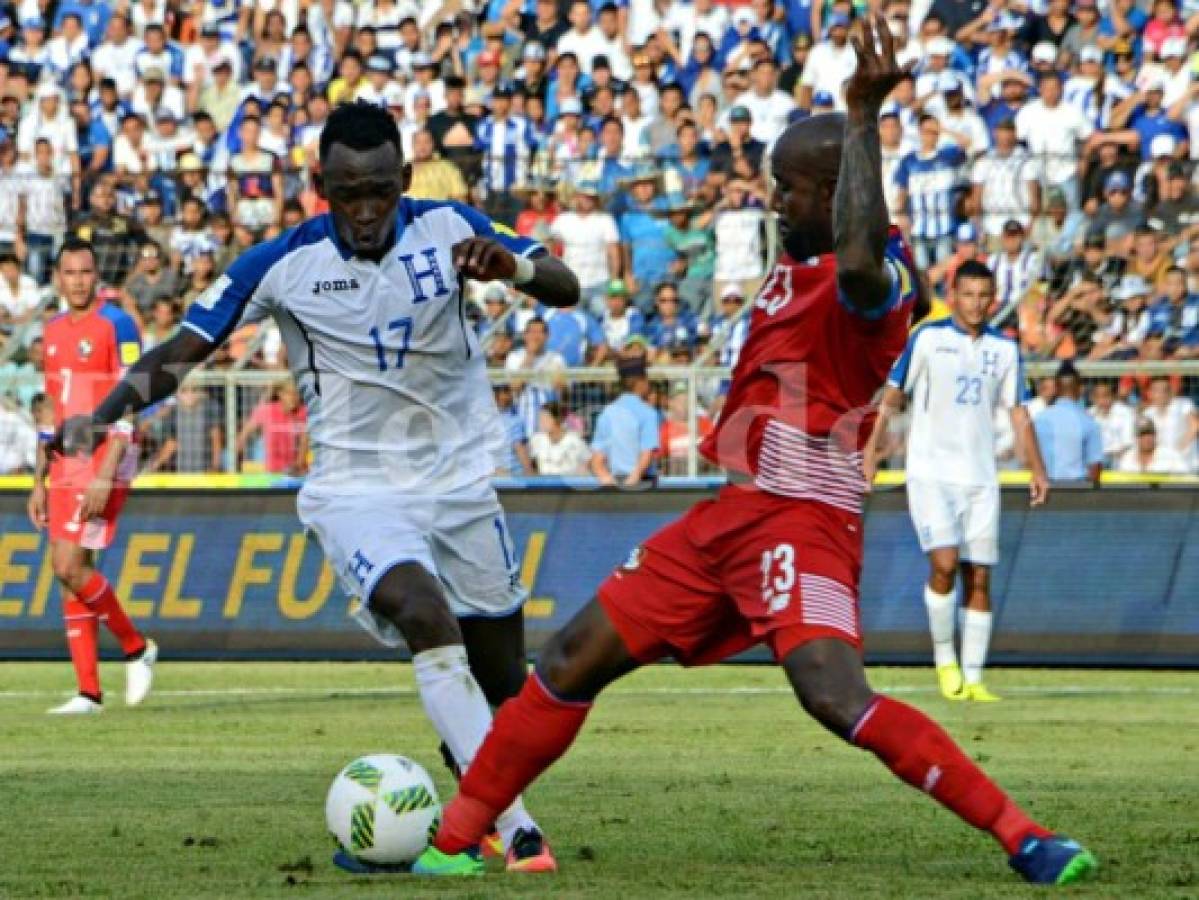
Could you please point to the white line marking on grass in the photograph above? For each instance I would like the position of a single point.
(1030, 691)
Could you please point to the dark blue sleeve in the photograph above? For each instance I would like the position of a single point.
(215, 313)
(128, 338)
(497, 231)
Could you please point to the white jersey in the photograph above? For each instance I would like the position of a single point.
(954, 384)
(388, 365)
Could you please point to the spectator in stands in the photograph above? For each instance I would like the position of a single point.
(671, 326)
(1017, 267)
(45, 220)
(151, 280)
(163, 323)
(626, 432)
(620, 320)
(18, 440)
(1078, 316)
(1148, 457)
(966, 246)
(769, 107)
(1175, 419)
(189, 432)
(1174, 316)
(554, 449)
(729, 329)
(693, 240)
(1115, 419)
(201, 277)
(507, 142)
(740, 217)
(676, 438)
(541, 209)
(590, 244)
(575, 335)
(1006, 184)
(282, 423)
(740, 153)
(1177, 213)
(832, 60)
(647, 256)
(255, 188)
(514, 458)
(19, 294)
(1150, 258)
(115, 236)
(1054, 131)
(929, 185)
(1125, 331)
(1069, 439)
(535, 356)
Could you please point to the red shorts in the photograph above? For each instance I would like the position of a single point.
(68, 481)
(745, 568)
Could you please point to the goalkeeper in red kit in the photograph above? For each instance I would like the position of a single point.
(776, 557)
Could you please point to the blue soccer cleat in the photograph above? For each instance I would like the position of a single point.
(356, 866)
(1052, 860)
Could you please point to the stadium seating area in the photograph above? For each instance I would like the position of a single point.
(1054, 140)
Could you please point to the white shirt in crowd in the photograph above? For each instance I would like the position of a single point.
(1054, 134)
(829, 68)
(1005, 182)
(1117, 427)
(569, 456)
(45, 207)
(739, 247)
(586, 47)
(585, 241)
(518, 360)
(1165, 461)
(24, 298)
(1172, 425)
(119, 62)
(11, 188)
(770, 113)
(18, 442)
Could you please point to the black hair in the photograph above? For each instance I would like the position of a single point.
(972, 268)
(537, 320)
(360, 126)
(9, 257)
(75, 244)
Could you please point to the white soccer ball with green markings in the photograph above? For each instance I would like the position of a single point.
(383, 809)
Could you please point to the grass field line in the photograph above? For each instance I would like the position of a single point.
(1026, 691)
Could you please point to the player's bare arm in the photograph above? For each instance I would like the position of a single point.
(860, 218)
(36, 507)
(1026, 437)
(890, 404)
(548, 278)
(150, 380)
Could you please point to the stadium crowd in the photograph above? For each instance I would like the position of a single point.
(1055, 140)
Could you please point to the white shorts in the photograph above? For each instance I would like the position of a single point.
(957, 515)
(461, 538)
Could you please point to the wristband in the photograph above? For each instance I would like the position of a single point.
(121, 429)
(525, 271)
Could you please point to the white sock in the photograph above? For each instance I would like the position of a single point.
(976, 635)
(456, 707)
(941, 609)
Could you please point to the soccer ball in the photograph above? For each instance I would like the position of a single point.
(383, 809)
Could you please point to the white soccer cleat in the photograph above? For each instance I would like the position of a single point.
(78, 705)
(139, 675)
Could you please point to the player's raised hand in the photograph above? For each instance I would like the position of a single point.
(878, 71)
(484, 260)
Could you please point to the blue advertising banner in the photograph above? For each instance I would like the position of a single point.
(1099, 577)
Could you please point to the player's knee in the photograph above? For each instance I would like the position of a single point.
(557, 666)
(70, 571)
(420, 614)
(831, 688)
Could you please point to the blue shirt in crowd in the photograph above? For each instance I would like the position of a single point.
(645, 233)
(1069, 440)
(626, 428)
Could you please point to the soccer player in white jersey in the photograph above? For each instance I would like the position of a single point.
(955, 373)
(368, 298)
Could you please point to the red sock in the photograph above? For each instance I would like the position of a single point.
(919, 751)
(100, 598)
(529, 733)
(82, 629)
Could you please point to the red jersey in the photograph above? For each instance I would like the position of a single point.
(801, 403)
(84, 359)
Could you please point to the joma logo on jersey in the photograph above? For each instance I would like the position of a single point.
(337, 284)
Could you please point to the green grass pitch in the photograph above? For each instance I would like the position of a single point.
(684, 784)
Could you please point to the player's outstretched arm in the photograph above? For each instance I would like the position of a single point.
(150, 380)
(544, 277)
(860, 219)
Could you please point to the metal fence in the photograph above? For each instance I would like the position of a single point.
(219, 421)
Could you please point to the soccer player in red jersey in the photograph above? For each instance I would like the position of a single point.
(87, 349)
(775, 558)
